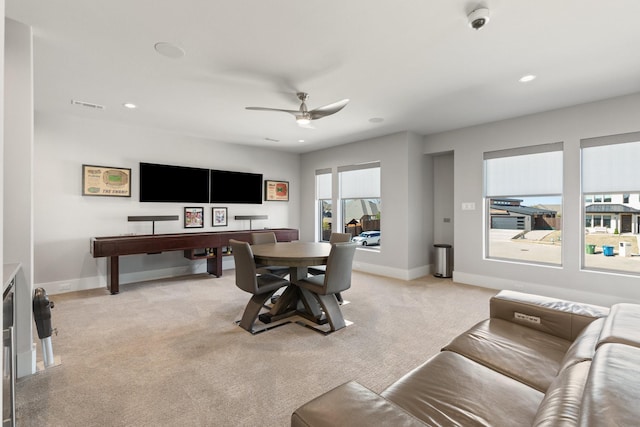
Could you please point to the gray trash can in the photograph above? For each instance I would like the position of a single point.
(444, 260)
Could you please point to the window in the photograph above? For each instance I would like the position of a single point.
(523, 204)
(599, 198)
(324, 203)
(360, 202)
(609, 172)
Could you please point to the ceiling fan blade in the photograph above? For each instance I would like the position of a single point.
(294, 112)
(327, 110)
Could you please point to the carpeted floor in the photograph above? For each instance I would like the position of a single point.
(168, 353)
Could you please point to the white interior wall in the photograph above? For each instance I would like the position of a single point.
(2, 97)
(65, 220)
(568, 125)
(18, 173)
(443, 207)
(419, 197)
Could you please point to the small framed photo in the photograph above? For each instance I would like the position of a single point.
(193, 217)
(106, 181)
(219, 217)
(276, 190)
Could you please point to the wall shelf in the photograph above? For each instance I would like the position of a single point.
(251, 218)
(153, 219)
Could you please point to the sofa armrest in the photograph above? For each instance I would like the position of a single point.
(352, 405)
(564, 319)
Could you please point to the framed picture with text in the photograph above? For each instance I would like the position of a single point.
(276, 190)
(219, 217)
(193, 217)
(106, 181)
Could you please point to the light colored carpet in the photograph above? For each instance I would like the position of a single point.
(168, 353)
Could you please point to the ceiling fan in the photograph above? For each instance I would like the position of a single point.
(304, 116)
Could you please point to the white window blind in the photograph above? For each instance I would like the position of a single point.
(323, 184)
(360, 182)
(610, 166)
(527, 171)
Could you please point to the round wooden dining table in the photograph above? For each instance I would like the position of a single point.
(298, 256)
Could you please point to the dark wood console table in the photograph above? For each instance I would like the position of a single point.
(115, 246)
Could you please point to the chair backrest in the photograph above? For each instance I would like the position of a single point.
(263, 237)
(337, 277)
(339, 238)
(245, 266)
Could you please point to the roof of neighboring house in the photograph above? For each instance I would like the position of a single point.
(610, 208)
(357, 208)
(524, 210)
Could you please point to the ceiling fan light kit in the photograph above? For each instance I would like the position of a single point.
(303, 115)
(303, 119)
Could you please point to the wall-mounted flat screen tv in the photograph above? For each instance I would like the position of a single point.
(167, 183)
(235, 187)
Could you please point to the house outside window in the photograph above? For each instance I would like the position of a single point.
(360, 201)
(611, 209)
(523, 204)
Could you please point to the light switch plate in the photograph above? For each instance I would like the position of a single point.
(468, 206)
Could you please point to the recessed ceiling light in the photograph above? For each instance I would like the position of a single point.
(129, 105)
(527, 78)
(376, 120)
(301, 140)
(169, 50)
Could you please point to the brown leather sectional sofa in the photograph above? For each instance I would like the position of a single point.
(536, 361)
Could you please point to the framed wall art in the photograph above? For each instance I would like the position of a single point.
(193, 217)
(276, 190)
(219, 217)
(106, 181)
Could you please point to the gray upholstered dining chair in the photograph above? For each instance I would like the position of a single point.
(334, 238)
(320, 269)
(262, 286)
(268, 237)
(336, 279)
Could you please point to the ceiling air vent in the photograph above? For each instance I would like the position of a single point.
(88, 104)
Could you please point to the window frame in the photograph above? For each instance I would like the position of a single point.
(550, 187)
(615, 163)
(364, 191)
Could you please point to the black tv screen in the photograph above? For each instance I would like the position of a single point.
(235, 187)
(167, 183)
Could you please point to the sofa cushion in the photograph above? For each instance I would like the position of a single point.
(450, 389)
(561, 403)
(584, 346)
(522, 353)
(352, 405)
(551, 315)
(612, 392)
(621, 326)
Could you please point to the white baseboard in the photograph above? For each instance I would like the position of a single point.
(396, 273)
(100, 281)
(492, 282)
(26, 362)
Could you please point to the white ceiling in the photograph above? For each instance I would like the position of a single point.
(414, 63)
